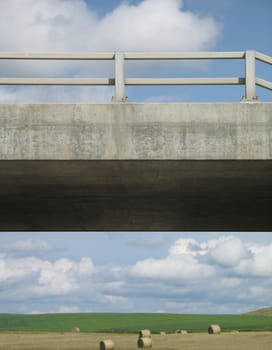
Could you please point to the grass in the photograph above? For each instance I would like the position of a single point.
(131, 323)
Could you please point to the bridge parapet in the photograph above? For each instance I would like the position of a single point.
(249, 79)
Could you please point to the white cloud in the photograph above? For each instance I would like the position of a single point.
(70, 25)
(63, 276)
(198, 276)
(228, 251)
(226, 274)
(13, 270)
(46, 278)
(187, 246)
(43, 25)
(185, 268)
(156, 25)
(259, 265)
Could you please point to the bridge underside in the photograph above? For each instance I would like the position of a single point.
(136, 195)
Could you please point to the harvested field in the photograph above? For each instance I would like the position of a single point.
(90, 341)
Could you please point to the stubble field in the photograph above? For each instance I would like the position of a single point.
(90, 341)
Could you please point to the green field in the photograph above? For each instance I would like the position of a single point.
(130, 323)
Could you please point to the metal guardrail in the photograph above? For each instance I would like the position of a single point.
(119, 81)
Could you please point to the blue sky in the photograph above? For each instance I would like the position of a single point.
(134, 272)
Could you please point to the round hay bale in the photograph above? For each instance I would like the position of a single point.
(214, 329)
(162, 333)
(145, 333)
(107, 344)
(145, 342)
(181, 331)
(76, 330)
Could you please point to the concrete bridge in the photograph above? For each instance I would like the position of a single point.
(137, 166)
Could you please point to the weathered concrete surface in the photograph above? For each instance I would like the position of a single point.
(136, 131)
(165, 167)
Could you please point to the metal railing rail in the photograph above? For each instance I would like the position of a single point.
(250, 81)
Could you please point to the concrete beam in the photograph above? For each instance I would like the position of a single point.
(136, 167)
(124, 131)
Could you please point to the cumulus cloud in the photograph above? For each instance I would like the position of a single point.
(186, 269)
(201, 271)
(259, 265)
(228, 251)
(70, 25)
(63, 276)
(157, 25)
(187, 246)
(226, 274)
(45, 278)
(13, 270)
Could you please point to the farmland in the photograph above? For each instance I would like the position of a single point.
(53, 331)
(90, 341)
(131, 323)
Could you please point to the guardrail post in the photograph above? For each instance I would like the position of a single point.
(119, 78)
(250, 75)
